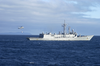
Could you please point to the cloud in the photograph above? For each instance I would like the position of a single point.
(53, 8)
(34, 12)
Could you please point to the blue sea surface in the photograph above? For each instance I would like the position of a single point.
(16, 50)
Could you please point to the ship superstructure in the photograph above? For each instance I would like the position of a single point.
(70, 36)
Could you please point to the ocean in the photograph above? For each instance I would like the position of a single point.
(16, 50)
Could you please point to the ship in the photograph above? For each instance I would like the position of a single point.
(62, 36)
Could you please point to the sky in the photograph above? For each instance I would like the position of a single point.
(37, 16)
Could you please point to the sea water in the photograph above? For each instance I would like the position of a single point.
(16, 50)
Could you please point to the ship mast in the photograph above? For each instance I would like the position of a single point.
(69, 29)
(64, 28)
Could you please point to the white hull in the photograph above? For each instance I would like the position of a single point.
(84, 38)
